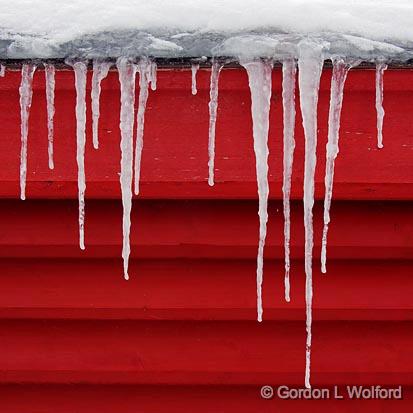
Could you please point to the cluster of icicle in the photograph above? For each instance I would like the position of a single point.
(310, 63)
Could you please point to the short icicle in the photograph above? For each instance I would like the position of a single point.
(100, 71)
(2, 70)
(80, 70)
(153, 75)
(288, 94)
(145, 71)
(127, 73)
(49, 71)
(194, 71)
(259, 77)
(310, 64)
(213, 108)
(380, 68)
(26, 94)
(338, 79)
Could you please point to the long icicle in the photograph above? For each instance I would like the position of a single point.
(80, 70)
(145, 75)
(100, 71)
(127, 74)
(194, 71)
(213, 107)
(338, 79)
(310, 64)
(288, 94)
(259, 77)
(26, 94)
(49, 71)
(380, 68)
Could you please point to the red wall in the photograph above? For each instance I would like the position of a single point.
(181, 335)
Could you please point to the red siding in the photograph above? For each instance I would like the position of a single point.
(181, 335)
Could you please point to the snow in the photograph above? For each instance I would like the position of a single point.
(259, 78)
(127, 72)
(380, 68)
(79, 28)
(288, 94)
(26, 94)
(49, 71)
(100, 71)
(310, 64)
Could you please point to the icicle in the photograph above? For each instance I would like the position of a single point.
(2, 70)
(127, 73)
(144, 69)
(310, 64)
(259, 77)
(49, 71)
(380, 68)
(26, 93)
(153, 75)
(289, 75)
(213, 107)
(80, 70)
(100, 71)
(338, 78)
(194, 70)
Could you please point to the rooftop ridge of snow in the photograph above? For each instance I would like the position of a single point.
(364, 29)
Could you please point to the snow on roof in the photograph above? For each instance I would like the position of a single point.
(187, 28)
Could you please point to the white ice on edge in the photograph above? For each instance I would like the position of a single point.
(26, 94)
(80, 70)
(213, 108)
(310, 64)
(127, 74)
(49, 71)
(100, 71)
(153, 75)
(259, 78)
(145, 69)
(289, 70)
(194, 70)
(338, 79)
(380, 68)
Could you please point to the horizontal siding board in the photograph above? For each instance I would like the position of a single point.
(189, 352)
(201, 290)
(175, 399)
(174, 162)
(201, 229)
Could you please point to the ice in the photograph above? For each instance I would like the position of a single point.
(26, 93)
(80, 70)
(213, 108)
(288, 94)
(153, 75)
(145, 71)
(338, 79)
(127, 73)
(310, 64)
(380, 68)
(194, 70)
(259, 78)
(49, 71)
(2, 70)
(100, 71)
